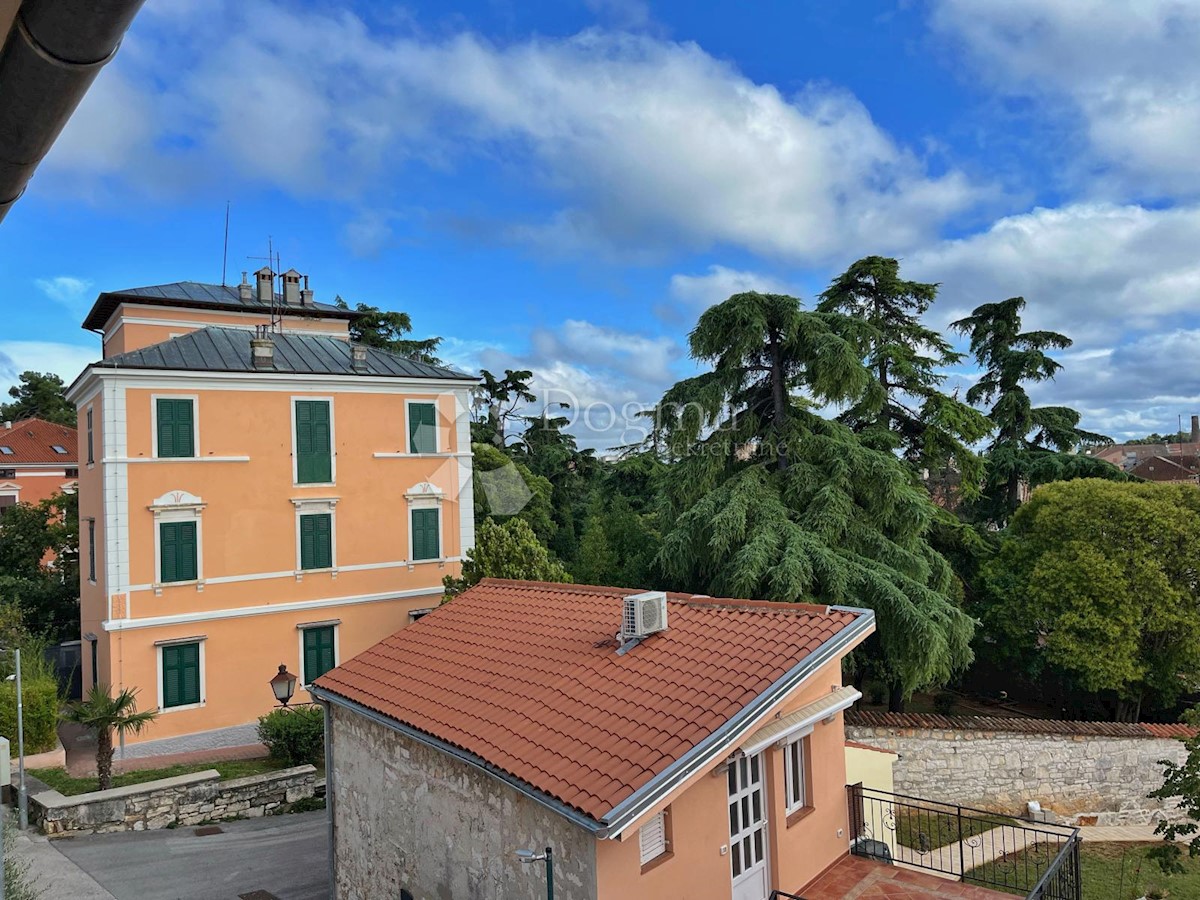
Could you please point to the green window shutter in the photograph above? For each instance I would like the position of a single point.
(313, 459)
(425, 539)
(181, 674)
(90, 457)
(177, 551)
(176, 436)
(422, 428)
(316, 541)
(318, 652)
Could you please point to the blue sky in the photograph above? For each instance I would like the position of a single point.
(565, 186)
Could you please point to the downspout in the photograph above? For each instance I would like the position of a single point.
(52, 54)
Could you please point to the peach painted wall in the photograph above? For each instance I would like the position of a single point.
(240, 656)
(37, 484)
(179, 320)
(699, 823)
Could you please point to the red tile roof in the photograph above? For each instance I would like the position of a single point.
(526, 676)
(857, 746)
(32, 442)
(860, 718)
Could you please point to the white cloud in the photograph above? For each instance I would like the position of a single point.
(73, 293)
(1130, 69)
(698, 292)
(64, 360)
(639, 142)
(1092, 271)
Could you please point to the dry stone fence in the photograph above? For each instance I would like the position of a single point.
(1083, 773)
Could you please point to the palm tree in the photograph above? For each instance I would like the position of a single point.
(102, 714)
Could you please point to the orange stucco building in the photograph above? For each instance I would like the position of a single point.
(665, 747)
(255, 490)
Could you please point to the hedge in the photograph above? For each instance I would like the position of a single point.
(294, 735)
(40, 695)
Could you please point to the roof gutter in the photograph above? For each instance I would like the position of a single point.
(716, 744)
(52, 54)
(470, 759)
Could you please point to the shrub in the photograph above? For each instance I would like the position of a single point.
(294, 735)
(944, 703)
(40, 696)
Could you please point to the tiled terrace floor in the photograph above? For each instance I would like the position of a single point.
(855, 877)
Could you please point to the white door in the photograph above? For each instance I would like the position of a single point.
(748, 829)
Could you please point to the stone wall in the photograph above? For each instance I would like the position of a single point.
(408, 817)
(183, 800)
(1083, 773)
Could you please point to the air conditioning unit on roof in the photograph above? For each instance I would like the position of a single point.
(644, 614)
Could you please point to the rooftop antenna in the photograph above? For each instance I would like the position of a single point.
(272, 260)
(225, 252)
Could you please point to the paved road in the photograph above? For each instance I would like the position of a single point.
(286, 856)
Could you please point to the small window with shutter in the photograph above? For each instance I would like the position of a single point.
(177, 552)
(426, 534)
(422, 428)
(175, 427)
(653, 837)
(316, 541)
(314, 442)
(181, 674)
(319, 652)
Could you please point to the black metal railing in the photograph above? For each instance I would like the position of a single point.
(992, 850)
(784, 895)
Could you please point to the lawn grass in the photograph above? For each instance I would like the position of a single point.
(1116, 872)
(59, 780)
(927, 829)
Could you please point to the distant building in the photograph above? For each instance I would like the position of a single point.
(1177, 469)
(256, 490)
(1130, 456)
(38, 459)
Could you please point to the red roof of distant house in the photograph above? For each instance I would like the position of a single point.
(32, 442)
(1181, 467)
(868, 718)
(526, 677)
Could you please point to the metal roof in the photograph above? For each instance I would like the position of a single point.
(197, 295)
(228, 350)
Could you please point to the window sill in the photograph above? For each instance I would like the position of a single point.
(801, 813)
(328, 570)
(181, 708)
(440, 560)
(158, 586)
(657, 861)
(313, 484)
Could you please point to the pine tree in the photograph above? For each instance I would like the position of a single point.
(1030, 442)
(903, 408)
(769, 500)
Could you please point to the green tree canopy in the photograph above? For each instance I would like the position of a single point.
(39, 395)
(769, 500)
(904, 407)
(1025, 435)
(1097, 580)
(386, 330)
(510, 550)
(499, 398)
(47, 593)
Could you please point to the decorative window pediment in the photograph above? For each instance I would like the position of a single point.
(176, 501)
(425, 492)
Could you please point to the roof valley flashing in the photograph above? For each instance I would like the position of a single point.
(848, 627)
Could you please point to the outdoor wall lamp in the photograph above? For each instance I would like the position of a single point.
(529, 856)
(283, 685)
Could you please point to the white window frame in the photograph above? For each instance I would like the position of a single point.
(177, 506)
(797, 747)
(661, 846)
(336, 624)
(195, 398)
(426, 496)
(202, 640)
(91, 444)
(332, 446)
(316, 506)
(437, 430)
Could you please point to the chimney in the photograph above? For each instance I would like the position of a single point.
(245, 292)
(306, 295)
(262, 349)
(1195, 438)
(358, 358)
(291, 288)
(265, 285)
(8, 426)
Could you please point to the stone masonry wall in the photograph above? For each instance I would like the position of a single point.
(183, 800)
(408, 817)
(1082, 779)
